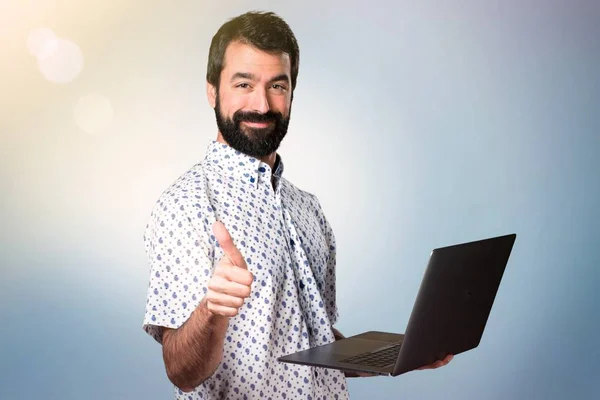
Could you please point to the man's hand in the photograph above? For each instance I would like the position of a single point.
(439, 363)
(355, 374)
(350, 374)
(231, 282)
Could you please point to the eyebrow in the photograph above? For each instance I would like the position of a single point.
(247, 75)
(282, 77)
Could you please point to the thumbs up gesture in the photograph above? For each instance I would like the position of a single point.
(231, 281)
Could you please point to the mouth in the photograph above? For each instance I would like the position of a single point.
(257, 124)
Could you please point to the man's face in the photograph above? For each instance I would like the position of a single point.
(253, 102)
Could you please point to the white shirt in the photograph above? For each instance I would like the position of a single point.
(289, 247)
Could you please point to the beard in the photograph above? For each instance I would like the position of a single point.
(255, 142)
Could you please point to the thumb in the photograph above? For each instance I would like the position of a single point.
(226, 243)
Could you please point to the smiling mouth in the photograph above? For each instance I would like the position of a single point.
(257, 124)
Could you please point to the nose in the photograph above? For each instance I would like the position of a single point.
(259, 101)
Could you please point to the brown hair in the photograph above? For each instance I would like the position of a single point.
(263, 30)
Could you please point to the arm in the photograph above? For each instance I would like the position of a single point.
(330, 280)
(337, 334)
(191, 327)
(348, 374)
(193, 352)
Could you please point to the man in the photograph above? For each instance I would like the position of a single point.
(242, 261)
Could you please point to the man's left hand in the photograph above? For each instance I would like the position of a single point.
(352, 374)
(438, 363)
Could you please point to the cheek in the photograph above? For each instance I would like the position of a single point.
(230, 105)
(281, 104)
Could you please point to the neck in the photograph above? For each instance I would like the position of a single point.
(268, 159)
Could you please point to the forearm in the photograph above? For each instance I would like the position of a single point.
(193, 352)
(337, 334)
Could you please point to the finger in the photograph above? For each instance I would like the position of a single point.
(222, 310)
(439, 363)
(365, 374)
(236, 274)
(226, 243)
(222, 285)
(434, 365)
(222, 299)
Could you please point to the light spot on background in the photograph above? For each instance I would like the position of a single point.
(93, 113)
(40, 41)
(59, 60)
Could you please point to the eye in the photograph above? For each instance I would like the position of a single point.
(243, 85)
(278, 86)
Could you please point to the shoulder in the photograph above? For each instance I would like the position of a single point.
(187, 185)
(184, 195)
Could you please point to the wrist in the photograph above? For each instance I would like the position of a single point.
(337, 334)
(208, 315)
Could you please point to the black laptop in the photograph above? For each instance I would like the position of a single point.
(448, 317)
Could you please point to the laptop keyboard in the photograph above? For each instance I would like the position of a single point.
(380, 358)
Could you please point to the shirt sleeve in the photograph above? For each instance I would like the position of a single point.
(329, 290)
(180, 255)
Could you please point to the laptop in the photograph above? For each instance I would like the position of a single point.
(448, 317)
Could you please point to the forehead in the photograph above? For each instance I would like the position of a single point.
(241, 57)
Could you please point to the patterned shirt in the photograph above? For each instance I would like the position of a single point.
(288, 246)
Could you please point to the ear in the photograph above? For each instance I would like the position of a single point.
(211, 94)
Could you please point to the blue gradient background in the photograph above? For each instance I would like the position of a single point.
(417, 124)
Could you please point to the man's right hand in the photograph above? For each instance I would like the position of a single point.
(231, 281)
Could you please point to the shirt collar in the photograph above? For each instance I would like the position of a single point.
(241, 167)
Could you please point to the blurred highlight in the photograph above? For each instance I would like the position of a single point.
(93, 113)
(59, 60)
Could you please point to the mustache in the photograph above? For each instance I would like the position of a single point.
(249, 116)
